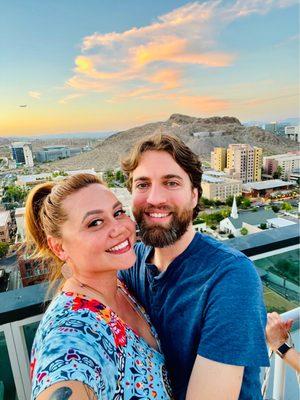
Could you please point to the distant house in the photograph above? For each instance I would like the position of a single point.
(251, 221)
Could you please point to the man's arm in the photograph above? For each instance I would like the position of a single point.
(213, 380)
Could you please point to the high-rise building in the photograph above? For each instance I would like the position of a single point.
(218, 159)
(244, 162)
(293, 132)
(22, 153)
(283, 164)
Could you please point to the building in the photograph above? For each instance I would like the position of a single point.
(22, 153)
(52, 153)
(266, 188)
(285, 163)
(5, 224)
(244, 162)
(32, 180)
(218, 159)
(32, 270)
(252, 221)
(19, 216)
(293, 133)
(217, 186)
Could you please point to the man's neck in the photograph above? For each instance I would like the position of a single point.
(162, 257)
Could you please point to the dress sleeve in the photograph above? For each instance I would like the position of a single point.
(233, 327)
(74, 351)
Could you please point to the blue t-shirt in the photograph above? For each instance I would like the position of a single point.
(82, 339)
(208, 302)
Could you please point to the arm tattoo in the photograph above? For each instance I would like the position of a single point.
(63, 393)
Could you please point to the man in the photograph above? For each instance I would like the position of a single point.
(204, 298)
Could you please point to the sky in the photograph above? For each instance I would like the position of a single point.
(103, 65)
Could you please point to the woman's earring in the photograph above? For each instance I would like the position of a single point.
(66, 271)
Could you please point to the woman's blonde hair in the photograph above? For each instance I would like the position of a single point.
(44, 216)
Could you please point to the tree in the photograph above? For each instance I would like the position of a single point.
(3, 249)
(277, 174)
(244, 231)
(245, 203)
(275, 208)
(14, 194)
(231, 236)
(263, 226)
(238, 199)
(286, 206)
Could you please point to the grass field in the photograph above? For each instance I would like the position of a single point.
(275, 302)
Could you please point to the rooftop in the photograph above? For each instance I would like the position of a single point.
(252, 218)
(271, 184)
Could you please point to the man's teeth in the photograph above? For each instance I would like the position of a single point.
(158, 215)
(119, 246)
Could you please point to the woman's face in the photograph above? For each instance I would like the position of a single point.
(98, 236)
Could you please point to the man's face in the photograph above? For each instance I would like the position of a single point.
(162, 199)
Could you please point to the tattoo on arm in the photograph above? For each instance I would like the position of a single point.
(63, 393)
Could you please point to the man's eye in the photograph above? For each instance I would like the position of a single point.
(172, 183)
(95, 222)
(141, 186)
(120, 213)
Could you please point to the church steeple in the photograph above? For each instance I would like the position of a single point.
(234, 210)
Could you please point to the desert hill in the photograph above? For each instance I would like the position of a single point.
(201, 134)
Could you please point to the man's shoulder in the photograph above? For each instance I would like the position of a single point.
(142, 251)
(215, 249)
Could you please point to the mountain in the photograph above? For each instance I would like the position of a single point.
(201, 134)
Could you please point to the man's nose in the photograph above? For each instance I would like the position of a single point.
(156, 195)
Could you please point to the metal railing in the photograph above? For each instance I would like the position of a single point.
(19, 359)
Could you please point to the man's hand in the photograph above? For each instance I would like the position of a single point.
(211, 380)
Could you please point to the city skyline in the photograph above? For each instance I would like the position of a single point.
(104, 66)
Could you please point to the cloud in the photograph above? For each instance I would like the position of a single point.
(70, 97)
(34, 95)
(155, 59)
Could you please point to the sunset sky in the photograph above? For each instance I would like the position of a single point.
(104, 65)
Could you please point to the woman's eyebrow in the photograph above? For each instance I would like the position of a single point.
(91, 212)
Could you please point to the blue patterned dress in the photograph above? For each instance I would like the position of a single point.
(83, 340)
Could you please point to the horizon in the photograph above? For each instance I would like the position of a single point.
(125, 65)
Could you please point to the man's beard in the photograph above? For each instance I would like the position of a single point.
(158, 235)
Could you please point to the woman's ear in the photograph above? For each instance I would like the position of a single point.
(55, 244)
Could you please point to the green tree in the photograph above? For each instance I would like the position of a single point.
(14, 194)
(3, 249)
(245, 203)
(277, 174)
(263, 226)
(244, 231)
(275, 208)
(286, 206)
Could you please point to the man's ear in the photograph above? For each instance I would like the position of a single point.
(55, 244)
(195, 196)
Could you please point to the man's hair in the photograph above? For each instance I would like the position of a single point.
(181, 154)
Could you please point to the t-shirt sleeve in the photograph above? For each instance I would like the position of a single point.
(233, 326)
(72, 353)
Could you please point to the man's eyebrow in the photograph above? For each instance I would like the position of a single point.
(169, 176)
(91, 212)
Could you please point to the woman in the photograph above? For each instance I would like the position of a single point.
(94, 341)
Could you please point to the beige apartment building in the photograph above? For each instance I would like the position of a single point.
(216, 186)
(218, 159)
(242, 161)
(5, 221)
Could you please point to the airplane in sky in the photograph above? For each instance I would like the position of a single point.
(23, 105)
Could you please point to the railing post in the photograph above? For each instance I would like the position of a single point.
(279, 379)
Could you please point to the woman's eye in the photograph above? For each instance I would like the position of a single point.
(95, 222)
(120, 212)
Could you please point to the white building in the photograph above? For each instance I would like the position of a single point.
(22, 153)
(5, 221)
(19, 215)
(293, 133)
(288, 163)
(217, 186)
(251, 221)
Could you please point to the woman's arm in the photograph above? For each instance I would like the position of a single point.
(67, 390)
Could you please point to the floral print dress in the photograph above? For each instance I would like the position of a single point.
(81, 339)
